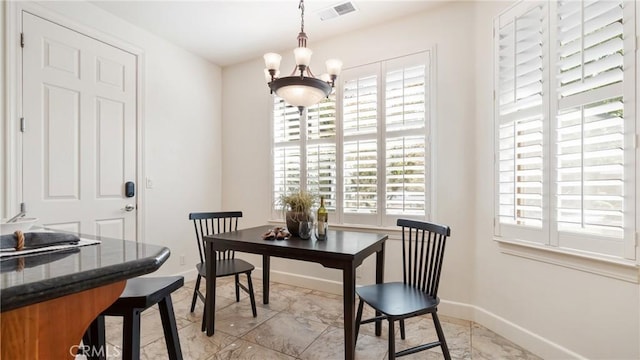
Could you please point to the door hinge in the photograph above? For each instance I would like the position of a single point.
(22, 40)
(23, 208)
(23, 124)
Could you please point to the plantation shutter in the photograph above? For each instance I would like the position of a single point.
(589, 128)
(520, 113)
(321, 151)
(286, 152)
(573, 137)
(365, 148)
(360, 148)
(406, 140)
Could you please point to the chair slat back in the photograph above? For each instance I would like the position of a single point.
(210, 223)
(422, 253)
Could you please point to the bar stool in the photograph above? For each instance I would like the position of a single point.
(139, 294)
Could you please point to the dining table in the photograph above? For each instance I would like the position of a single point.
(342, 249)
(49, 297)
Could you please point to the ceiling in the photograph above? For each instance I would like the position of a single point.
(232, 31)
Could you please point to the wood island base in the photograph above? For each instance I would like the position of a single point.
(53, 329)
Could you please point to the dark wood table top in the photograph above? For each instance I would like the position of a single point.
(341, 245)
(29, 279)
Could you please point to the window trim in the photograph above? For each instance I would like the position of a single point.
(627, 266)
(430, 55)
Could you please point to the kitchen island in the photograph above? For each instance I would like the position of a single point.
(48, 299)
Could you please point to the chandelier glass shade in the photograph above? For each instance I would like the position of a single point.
(301, 88)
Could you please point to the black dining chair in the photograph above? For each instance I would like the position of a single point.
(138, 295)
(210, 223)
(422, 253)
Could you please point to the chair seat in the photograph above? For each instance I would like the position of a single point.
(227, 267)
(143, 293)
(397, 299)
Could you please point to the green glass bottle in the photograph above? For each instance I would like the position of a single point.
(323, 218)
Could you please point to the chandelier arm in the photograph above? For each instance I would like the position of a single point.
(309, 73)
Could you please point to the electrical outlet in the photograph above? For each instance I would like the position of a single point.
(182, 260)
(149, 183)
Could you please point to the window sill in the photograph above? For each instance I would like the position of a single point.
(620, 269)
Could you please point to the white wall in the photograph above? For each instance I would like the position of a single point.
(592, 315)
(182, 131)
(246, 169)
(556, 312)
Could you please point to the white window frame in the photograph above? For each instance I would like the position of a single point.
(378, 220)
(547, 243)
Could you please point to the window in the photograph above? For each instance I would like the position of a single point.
(564, 96)
(365, 148)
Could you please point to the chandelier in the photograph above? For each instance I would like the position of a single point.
(301, 88)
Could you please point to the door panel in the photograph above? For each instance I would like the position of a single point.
(79, 146)
(61, 129)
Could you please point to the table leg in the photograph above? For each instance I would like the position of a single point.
(349, 296)
(379, 280)
(266, 265)
(210, 299)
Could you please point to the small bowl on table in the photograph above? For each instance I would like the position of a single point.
(22, 224)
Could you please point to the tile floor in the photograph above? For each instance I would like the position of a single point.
(300, 324)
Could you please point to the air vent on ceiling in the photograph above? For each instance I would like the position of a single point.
(336, 10)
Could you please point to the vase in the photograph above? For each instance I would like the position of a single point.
(293, 219)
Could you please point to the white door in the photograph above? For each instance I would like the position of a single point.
(79, 141)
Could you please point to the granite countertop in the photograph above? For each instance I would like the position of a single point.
(29, 279)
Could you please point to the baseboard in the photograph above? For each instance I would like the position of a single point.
(309, 282)
(189, 275)
(527, 339)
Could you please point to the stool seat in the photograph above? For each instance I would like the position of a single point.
(139, 294)
(143, 293)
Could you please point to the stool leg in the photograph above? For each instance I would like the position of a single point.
(392, 340)
(170, 329)
(94, 340)
(131, 335)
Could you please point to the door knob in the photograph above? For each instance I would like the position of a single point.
(129, 207)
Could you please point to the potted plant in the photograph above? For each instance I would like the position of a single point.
(297, 208)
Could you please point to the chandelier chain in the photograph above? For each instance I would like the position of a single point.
(301, 7)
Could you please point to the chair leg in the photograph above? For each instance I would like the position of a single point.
(402, 334)
(252, 297)
(392, 341)
(204, 311)
(443, 342)
(237, 288)
(131, 335)
(170, 329)
(358, 319)
(94, 340)
(195, 293)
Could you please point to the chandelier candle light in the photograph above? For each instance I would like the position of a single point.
(305, 89)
